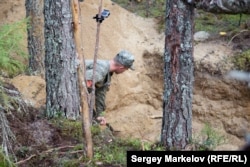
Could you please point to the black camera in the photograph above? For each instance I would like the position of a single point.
(105, 13)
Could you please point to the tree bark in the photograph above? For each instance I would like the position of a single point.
(178, 75)
(34, 11)
(223, 6)
(62, 98)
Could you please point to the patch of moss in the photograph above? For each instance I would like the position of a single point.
(242, 61)
(69, 127)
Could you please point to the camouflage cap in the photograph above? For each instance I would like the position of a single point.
(125, 58)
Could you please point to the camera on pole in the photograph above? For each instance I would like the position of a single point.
(105, 14)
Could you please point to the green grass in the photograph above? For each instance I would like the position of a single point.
(5, 161)
(154, 9)
(12, 52)
(207, 139)
(215, 23)
(4, 99)
(68, 127)
(108, 149)
(115, 151)
(204, 21)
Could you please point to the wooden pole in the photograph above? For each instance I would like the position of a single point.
(92, 100)
(81, 80)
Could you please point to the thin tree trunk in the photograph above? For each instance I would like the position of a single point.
(178, 75)
(34, 11)
(62, 93)
(92, 97)
(81, 78)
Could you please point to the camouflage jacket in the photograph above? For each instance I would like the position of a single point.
(102, 82)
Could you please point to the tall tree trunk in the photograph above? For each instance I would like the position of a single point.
(178, 75)
(34, 11)
(60, 60)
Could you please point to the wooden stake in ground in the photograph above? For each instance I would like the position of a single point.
(81, 78)
(92, 100)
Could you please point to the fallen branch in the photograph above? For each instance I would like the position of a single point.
(49, 151)
(72, 152)
(23, 161)
(236, 36)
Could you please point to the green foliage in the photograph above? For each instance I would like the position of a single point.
(95, 130)
(12, 52)
(5, 161)
(4, 99)
(114, 152)
(71, 163)
(153, 8)
(215, 23)
(69, 127)
(78, 147)
(204, 21)
(208, 139)
(242, 61)
(108, 150)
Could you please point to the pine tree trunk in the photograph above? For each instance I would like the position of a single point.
(178, 75)
(60, 61)
(34, 11)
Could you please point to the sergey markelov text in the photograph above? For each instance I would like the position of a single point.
(206, 158)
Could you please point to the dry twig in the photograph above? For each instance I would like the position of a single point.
(49, 151)
(236, 36)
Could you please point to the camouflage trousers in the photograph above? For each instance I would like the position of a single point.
(100, 97)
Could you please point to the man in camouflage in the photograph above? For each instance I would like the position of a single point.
(104, 70)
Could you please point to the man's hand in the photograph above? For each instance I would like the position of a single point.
(101, 120)
(89, 83)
